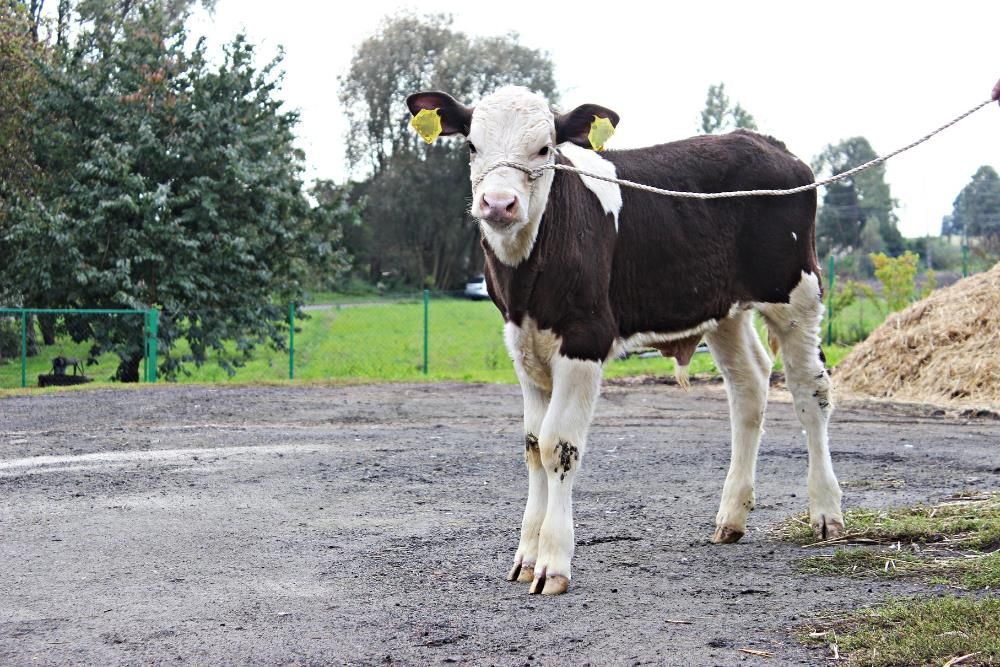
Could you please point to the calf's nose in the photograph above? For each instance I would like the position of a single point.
(498, 206)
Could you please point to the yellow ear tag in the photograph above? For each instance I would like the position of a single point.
(600, 131)
(427, 123)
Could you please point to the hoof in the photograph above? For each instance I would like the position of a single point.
(726, 535)
(522, 573)
(826, 528)
(553, 584)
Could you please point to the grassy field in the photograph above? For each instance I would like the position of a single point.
(376, 341)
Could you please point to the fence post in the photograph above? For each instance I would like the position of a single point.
(965, 260)
(291, 341)
(24, 348)
(145, 345)
(427, 299)
(152, 343)
(829, 305)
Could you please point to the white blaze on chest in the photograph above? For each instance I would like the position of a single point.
(532, 351)
(609, 194)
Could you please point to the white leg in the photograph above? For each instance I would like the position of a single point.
(797, 326)
(746, 370)
(536, 402)
(562, 442)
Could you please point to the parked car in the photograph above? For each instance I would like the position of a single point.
(475, 289)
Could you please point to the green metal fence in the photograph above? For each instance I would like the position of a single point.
(422, 335)
(150, 332)
(415, 336)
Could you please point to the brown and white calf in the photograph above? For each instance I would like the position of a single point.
(583, 269)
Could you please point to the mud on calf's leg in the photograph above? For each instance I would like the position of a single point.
(556, 539)
(567, 455)
(561, 444)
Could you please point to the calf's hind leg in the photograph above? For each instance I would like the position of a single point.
(746, 369)
(796, 325)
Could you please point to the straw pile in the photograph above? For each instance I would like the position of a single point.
(943, 349)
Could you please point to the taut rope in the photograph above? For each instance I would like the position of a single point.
(534, 174)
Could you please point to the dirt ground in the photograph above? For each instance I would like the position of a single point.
(374, 525)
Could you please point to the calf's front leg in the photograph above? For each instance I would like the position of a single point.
(536, 402)
(576, 385)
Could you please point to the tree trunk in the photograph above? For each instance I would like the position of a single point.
(32, 337)
(47, 323)
(128, 369)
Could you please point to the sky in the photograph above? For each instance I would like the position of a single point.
(811, 74)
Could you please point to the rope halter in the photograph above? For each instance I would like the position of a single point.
(533, 174)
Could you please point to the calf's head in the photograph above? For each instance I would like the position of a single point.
(513, 125)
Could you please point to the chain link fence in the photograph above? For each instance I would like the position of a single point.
(435, 335)
(408, 337)
(54, 346)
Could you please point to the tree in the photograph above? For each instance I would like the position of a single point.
(416, 196)
(19, 85)
(898, 276)
(848, 205)
(977, 209)
(168, 182)
(948, 226)
(720, 116)
(355, 235)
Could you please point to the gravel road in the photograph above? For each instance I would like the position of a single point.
(374, 525)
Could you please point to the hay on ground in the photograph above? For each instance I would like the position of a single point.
(942, 349)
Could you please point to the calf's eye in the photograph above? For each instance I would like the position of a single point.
(472, 148)
(544, 151)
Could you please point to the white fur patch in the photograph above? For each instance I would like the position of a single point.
(646, 338)
(532, 350)
(609, 194)
(804, 308)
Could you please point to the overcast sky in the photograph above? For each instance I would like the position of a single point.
(810, 73)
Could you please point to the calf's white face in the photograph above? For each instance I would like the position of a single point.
(511, 125)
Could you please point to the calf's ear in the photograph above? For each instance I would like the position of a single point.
(455, 116)
(575, 126)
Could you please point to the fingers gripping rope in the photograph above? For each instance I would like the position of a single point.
(534, 174)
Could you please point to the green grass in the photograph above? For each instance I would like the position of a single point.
(370, 296)
(926, 540)
(953, 543)
(969, 522)
(382, 341)
(971, 571)
(853, 323)
(10, 368)
(916, 631)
